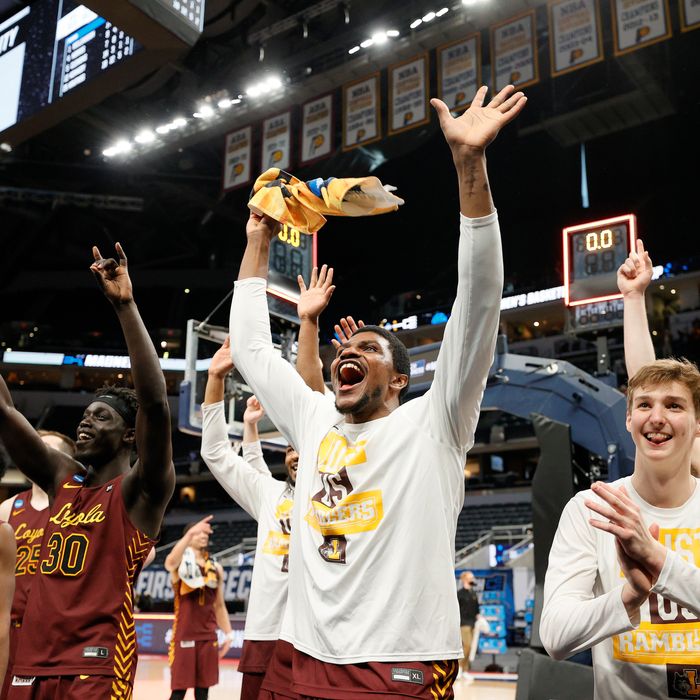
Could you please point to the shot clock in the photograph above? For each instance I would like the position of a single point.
(592, 254)
(292, 253)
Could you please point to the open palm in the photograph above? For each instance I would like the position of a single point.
(314, 298)
(476, 128)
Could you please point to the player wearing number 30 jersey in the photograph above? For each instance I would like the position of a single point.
(78, 639)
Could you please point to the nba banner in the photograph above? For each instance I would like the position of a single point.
(638, 23)
(361, 120)
(459, 71)
(574, 35)
(317, 129)
(276, 142)
(690, 14)
(154, 582)
(514, 52)
(408, 94)
(237, 158)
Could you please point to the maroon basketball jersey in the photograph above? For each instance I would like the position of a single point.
(195, 618)
(28, 524)
(79, 617)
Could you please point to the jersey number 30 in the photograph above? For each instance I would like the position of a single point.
(66, 554)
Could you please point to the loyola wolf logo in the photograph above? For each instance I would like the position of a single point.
(683, 681)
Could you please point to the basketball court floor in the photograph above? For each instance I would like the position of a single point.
(153, 683)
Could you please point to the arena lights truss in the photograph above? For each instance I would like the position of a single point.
(212, 108)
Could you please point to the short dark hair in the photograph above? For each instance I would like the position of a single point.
(399, 353)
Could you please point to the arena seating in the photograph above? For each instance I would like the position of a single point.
(474, 520)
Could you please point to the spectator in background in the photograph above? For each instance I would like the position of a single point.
(468, 611)
(198, 583)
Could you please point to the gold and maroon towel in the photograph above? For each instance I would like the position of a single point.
(303, 205)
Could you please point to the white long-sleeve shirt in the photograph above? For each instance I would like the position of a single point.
(372, 549)
(583, 605)
(249, 482)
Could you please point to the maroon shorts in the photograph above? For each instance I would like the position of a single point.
(194, 665)
(255, 658)
(69, 688)
(278, 678)
(317, 680)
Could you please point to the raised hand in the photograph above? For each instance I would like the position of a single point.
(477, 127)
(202, 525)
(221, 362)
(634, 275)
(314, 298)
(344, 329)
(253, 411)
(113, 276)
(261, 226)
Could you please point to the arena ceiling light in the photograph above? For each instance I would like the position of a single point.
(145, 136)
(204, 111)
(377, 39)
(119, 148)
(429, 17)
(264, 87)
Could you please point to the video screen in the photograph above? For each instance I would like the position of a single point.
(48, 49)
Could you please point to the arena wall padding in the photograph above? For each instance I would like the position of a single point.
(552, 487)
(542, 678)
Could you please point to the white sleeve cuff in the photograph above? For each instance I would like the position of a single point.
(480, 220)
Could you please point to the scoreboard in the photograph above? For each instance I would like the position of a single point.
(155, 22)
(58, 57)
(292, 253)
(592, 254)
(48, 49)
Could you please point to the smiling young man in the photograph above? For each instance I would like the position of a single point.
(633, 278)
(78, 639)
(372, 604)
(623, 574)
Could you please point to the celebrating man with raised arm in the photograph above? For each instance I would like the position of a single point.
(372, 606)
(633, 278)
(78, 638)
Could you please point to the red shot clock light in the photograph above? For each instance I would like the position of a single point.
(592, 254)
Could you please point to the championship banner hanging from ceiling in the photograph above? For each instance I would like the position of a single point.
(237, 157)
(277, 142)
(317, 129)
(408, 94)
(514, 52)
(361, 112)
(690, 14)
(638, 23)
(459, 71)
(575, 38)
